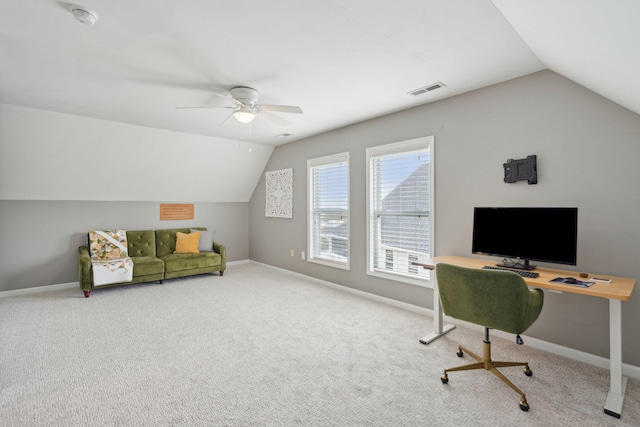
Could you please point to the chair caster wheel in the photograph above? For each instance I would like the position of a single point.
(460, 353)
(444, 378)
(527, 371)
(524, 405)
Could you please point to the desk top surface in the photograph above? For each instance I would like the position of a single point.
(620, 287)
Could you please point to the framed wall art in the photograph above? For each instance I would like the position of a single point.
(172, 211)
(279, 193)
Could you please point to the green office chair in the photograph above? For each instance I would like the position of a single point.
(494, 299)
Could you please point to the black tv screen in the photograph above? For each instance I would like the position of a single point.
(538, 234)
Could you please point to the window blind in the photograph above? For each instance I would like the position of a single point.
(399, 209)
(329, 210)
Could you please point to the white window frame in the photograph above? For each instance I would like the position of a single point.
(396, 148)
(322, 161)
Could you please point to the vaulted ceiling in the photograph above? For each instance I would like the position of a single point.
(341, 61)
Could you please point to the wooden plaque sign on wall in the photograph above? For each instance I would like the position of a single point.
(170, 211)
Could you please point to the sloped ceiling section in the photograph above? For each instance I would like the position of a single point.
(341, 61)
(595, 43)
(54, 156)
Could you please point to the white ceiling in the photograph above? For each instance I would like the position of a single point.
(341, 61)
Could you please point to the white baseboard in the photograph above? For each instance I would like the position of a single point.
(570, 353)
(581, 356)
(47, 288)
(37, 289)
(374, 297)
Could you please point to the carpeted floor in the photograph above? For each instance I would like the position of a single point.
(259, 347)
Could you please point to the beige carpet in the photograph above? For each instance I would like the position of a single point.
(259, 347)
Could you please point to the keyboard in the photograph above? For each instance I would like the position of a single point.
(521, 273)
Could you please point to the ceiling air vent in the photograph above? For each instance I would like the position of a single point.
(426, 89)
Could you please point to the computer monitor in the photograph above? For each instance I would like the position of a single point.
(521, 235)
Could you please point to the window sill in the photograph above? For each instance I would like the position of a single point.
(340, 266)
(424, 283)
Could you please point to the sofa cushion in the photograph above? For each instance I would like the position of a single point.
(141, 243)
(187, 243)
(166, 240)
(184, 262)
(147, 266)
(206, 240)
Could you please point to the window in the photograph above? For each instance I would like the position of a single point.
(399, 209)
(388, 259)
(328, 220)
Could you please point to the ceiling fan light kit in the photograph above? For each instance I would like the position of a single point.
(86, 16)
(244, 115)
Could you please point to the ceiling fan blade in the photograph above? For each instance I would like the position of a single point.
(275, 119)
(229, 98)
(281, 108)
(205, 106)
(225, 120)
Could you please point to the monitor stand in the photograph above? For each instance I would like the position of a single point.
(521, 264)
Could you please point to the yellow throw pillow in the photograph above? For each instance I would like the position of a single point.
(187, 243)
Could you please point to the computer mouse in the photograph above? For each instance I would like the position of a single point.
(570, 280)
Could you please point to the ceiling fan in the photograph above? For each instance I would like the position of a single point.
(245, 100)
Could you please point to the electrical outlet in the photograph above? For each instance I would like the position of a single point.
(302, 255)
(292, 252)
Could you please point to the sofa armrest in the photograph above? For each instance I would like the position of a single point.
(84, 267)
(222, 250)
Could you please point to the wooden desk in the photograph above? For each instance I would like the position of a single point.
(618, 290)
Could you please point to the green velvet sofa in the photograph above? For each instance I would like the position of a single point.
(153, 259)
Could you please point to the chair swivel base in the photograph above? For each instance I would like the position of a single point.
(485, 362)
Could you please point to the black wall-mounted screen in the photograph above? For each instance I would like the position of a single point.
(538, 234)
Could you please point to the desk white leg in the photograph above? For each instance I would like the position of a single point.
(439, 328)
(615, 398)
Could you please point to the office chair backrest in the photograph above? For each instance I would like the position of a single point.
(494, 299)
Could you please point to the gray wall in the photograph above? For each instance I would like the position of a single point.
(62, 175)
(40, 239)
(587, 149)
